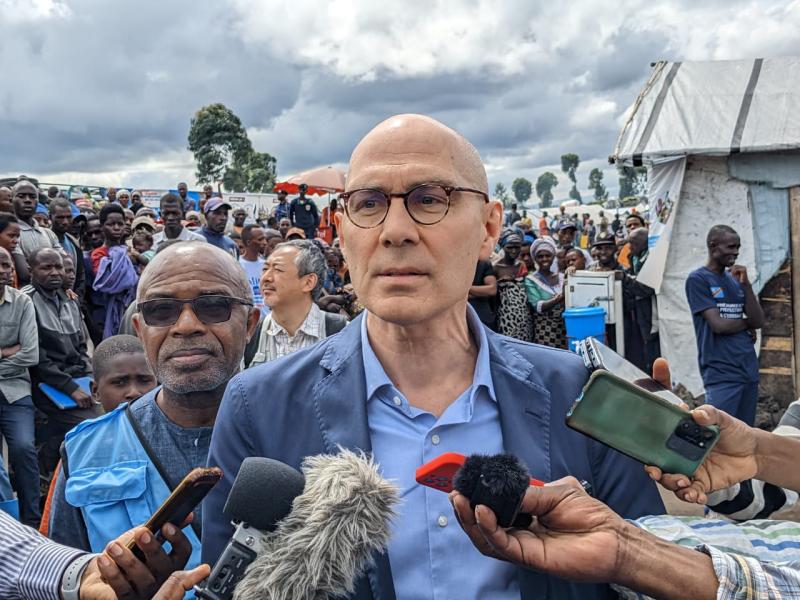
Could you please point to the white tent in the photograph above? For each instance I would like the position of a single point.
(722, 143)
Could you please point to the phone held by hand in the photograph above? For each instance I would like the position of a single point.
(182, 501)
(642, 425)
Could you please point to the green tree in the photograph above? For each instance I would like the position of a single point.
(632, 181)
(256, 174)
(501, 193)
(544, 188)
(596, 184)
(224, 154)
(522, 189)
(569, 164)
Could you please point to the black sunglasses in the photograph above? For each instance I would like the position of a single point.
(163, 312)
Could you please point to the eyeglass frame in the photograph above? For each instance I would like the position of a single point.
(191, 302)
(448, 189)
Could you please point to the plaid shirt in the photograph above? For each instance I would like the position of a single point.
(276, 342)
(752, 560)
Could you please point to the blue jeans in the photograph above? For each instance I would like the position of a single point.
(16, 425)
(737, 399)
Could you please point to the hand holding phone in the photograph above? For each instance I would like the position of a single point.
(640, 424)
(180, 503)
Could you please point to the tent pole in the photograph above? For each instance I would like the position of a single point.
(794, 218)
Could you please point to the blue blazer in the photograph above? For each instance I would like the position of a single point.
(314, 400)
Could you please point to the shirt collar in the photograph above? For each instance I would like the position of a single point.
(377, 378)
(310, 326)
(7, 296)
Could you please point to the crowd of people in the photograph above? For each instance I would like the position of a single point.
(69, 280)
(140, 344)
(520, 290)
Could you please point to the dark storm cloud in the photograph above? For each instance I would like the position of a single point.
(101, 86)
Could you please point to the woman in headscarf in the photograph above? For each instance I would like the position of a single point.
(545, 291)
(513, 315)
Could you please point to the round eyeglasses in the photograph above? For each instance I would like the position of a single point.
(426, 204)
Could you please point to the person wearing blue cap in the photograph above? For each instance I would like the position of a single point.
(216, 213)
(42, 216)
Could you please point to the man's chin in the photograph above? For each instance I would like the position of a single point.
(403, 310)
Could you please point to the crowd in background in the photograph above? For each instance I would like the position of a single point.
(69, 271)
(520, 291)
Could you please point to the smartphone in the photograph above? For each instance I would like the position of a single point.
(183, 500)
(440, 472)
(642, 425)
(597, 355)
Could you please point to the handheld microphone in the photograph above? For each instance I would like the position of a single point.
(260, 497)
(327, 541)
(499, 482)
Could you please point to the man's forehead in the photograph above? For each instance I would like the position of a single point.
(416, 149)
(24, 186)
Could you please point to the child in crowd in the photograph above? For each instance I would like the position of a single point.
(143, 243)
(121, 372)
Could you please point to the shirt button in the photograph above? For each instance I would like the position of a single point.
(397, 401)
(435, 439)
(442, 521)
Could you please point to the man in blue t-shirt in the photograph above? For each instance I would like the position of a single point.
(726, 314)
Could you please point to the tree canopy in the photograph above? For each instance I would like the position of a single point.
(596, 184)
(224, 154)
(544, 188)
(569, 164)
(501, 193)
(522, 189)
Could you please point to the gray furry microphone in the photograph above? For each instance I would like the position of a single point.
(328, 539)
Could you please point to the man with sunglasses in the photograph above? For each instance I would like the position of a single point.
(194, 316)
(417, 375)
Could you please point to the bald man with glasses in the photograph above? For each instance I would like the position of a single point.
(418, 375)
(194, 315)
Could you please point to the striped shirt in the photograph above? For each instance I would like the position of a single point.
(31, 566)
(275, 341)
(752, 560)
(755, 499)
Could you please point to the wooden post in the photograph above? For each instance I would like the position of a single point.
(794, 212)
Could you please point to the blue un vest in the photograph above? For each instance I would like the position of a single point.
(113, 481)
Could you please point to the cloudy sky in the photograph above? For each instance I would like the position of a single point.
(101, 92)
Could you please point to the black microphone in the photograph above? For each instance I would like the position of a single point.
(261, 496)
(497, 481)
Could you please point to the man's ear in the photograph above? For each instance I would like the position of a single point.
(493, 224)
(93, 388)
(310, 282)
(137, 325)
(253, 317)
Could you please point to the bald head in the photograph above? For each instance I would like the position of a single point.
(418, 149)
(638, 240)
(185, 258)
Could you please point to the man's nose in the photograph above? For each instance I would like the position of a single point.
(398, 227)
(187, 323)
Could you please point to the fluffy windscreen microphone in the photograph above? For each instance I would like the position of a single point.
(260, 497)
(328, 540)
(497, 481)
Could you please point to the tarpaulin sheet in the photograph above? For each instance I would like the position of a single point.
(714, 107)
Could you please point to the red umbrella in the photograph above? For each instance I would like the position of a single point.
(320, 181)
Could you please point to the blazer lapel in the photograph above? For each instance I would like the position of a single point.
(524, 405)
(341, 402)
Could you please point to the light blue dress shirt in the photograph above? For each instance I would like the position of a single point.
(431, 557)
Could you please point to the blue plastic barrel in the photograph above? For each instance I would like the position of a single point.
(589, 321)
